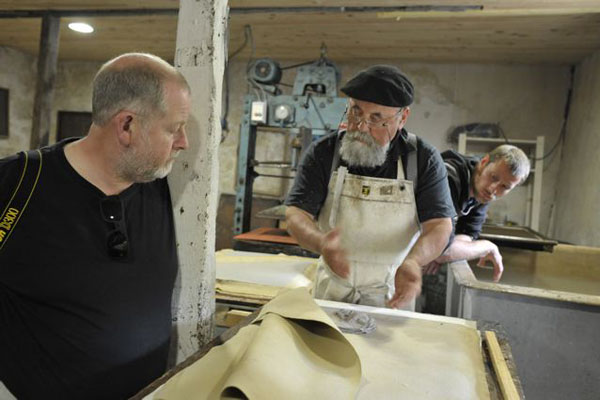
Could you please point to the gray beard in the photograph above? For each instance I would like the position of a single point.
(138, 166)
(359, 154)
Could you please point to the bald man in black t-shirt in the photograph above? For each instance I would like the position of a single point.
(88, 261)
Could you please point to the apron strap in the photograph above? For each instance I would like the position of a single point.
(411, 163)
(412, 170)
(336, 155)
(400, 175)
(337, 194)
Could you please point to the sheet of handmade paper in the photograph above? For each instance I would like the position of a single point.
(410, 357)
(292, 350)
(278, 270)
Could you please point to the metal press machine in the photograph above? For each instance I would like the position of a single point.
(310, 111)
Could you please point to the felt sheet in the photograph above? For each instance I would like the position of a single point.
(292, 350)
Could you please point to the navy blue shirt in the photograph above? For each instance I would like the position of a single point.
(431, 193)
(471, 213)
(74, 322)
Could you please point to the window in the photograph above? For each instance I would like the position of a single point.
(72, 124)
(3, 113)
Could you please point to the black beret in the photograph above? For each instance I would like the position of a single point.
(381, 84)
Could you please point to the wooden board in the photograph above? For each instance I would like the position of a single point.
(266, 234)
(132, 4)
(509, 390)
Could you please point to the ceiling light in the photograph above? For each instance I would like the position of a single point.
(81, 27)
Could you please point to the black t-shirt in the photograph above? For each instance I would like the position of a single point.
(431, 194)
(75, 323)
(471, 213)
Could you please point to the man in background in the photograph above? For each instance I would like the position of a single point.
(474, 183)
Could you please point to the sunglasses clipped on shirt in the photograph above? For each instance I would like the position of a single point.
(117, 241)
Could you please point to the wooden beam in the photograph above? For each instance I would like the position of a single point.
(79, 13)
(46, 76)
(507, 385)
(537, 12)
(200, 57)
(108, 4)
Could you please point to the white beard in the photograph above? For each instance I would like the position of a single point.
(140, 165)
(163, 171)
(359, 154)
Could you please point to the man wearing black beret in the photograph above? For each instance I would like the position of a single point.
(373, 200)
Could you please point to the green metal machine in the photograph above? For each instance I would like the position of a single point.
(312, 110)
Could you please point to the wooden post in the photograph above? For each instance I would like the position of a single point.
(46, 76)
(538, 178)
(200, 56)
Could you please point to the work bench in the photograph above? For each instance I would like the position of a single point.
(493, 383)
(247, 281)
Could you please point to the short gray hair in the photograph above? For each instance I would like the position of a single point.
(137, 86)
(515, 159)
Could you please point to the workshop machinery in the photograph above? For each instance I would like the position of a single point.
(310, 111)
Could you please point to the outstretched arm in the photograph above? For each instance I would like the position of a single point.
(465, 248)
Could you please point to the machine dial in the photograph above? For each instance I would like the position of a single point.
(283, 113)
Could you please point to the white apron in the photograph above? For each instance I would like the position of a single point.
(378, 224)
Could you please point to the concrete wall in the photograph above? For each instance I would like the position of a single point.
(578, 195)
(527, 101)
(73, 89)
(18, 74)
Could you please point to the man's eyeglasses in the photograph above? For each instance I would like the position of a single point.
(117, 242)
(355, 117)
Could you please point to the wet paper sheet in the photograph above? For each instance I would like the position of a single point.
(292, 350)
(418, 356)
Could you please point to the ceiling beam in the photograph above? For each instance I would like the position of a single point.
(241, 10)
(168, 4)
(399, 12)
(88, 13)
